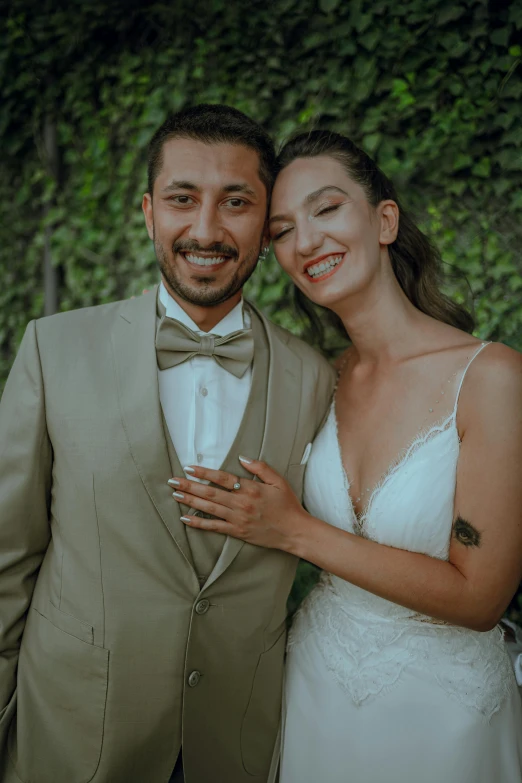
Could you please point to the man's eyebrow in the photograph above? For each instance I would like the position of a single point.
(234, 187)
(180, 184)
(311, 197)
(239, 187)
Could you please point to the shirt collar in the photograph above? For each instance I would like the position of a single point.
(232, 322)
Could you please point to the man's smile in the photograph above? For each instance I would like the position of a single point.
(206, 261)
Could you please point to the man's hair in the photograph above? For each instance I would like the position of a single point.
(214, 124)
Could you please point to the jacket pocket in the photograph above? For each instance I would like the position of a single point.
(263, 713)
(295, 477)
(67, 623)
(57, 734)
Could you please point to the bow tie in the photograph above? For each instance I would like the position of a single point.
(175, 343)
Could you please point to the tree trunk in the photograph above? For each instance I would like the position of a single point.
(50, 276)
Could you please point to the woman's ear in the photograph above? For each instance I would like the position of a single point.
(389, 215)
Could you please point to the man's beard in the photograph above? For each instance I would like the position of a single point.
(202, 293)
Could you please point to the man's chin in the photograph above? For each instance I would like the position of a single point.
(211, 297)
(202, 289)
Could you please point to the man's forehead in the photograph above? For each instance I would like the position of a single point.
(192, 160)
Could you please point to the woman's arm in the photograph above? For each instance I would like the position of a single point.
(485, 560)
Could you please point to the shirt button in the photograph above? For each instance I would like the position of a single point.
(194, 678)
(199, 457)
(202, 606)
(204, 392)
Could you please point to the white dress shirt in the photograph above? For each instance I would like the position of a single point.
(203, 404)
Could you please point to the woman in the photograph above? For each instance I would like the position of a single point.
(396, 670)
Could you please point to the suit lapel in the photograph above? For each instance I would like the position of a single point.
(133, 342)
(281, 419)
(285, 383)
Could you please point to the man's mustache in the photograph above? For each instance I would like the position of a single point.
(219, 249)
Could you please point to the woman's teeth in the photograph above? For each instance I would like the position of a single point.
(317, 270)
(205, 261)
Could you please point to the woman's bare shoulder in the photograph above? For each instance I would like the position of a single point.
(492, 388)
(497, 365)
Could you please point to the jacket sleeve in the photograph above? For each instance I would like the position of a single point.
(25, 482)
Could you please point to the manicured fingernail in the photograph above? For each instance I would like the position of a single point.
(178, 495)
(189, 470)
(244, 459)
(173, 482)
(185, 519)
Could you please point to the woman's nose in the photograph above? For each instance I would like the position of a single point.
(308, 240)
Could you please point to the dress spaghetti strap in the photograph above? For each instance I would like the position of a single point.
(479, 349)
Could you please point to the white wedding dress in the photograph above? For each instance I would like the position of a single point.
(374, 692)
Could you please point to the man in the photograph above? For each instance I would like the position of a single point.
(133, 649)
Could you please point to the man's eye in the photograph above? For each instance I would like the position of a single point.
(183, 200)
(236, 202)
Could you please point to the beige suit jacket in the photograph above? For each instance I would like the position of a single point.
(112, 655)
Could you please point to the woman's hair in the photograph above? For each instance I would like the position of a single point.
(416, 262)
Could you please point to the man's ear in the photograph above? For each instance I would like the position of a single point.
(146, 206)
(389, 217)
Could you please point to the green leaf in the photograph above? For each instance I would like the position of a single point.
(372, 141)
(482, 168)
(370, 39)
(328, 5)
(449, 14)
(314, 40)
(515, 15)
(500, 36)
(462, 161)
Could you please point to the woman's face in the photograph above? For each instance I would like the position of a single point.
(326, 235)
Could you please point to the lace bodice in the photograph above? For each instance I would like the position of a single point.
(367, 641)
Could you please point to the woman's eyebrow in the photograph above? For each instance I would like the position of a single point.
(316, 193)
(311, 197)
(274, 218)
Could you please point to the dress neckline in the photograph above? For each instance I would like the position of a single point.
(400, 460)
(423, 436)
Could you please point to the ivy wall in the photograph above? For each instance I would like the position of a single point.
(431, 88)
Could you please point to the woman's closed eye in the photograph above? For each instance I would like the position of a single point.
(281, 233)
(327, 209)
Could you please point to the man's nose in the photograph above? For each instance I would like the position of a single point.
(206, 228)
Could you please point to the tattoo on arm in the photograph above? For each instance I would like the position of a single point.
(465, 533)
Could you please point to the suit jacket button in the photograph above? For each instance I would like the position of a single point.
(202, 606)
(194, 678)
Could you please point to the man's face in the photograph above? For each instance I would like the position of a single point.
(206, 218)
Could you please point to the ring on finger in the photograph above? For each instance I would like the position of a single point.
(237, 485)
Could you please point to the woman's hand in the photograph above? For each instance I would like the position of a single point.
(265, 513)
